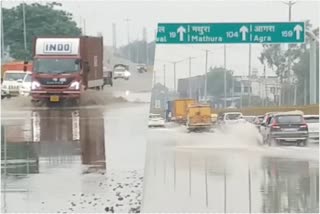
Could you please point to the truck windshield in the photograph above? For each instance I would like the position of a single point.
(56, 66)
(14, 76)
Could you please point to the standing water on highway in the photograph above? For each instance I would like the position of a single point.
(160, 106)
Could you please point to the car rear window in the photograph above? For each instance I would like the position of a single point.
(289, 119)
(312, 119)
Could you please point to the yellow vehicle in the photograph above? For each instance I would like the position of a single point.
(199, 117)
(180, 107)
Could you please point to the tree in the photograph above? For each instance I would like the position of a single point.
(41, 20)
(278, 59)
(216, 81)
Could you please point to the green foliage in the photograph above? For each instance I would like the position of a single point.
(216, 81)
(41, 20)
(278, 59)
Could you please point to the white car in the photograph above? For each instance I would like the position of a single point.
(230, 118)
(25, 88)
(155, 120)
(313, 126)
(13, 81)
(121, 72)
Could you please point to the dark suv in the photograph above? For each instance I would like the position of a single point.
(286, 127)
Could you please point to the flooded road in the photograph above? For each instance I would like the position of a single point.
(73, 160)
(213, 172)
(85, 159)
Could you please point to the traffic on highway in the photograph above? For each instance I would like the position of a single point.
(160, 106)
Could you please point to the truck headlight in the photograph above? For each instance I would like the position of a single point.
(35, 85)
(75, 85)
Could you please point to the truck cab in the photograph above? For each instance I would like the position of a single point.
(64, 67)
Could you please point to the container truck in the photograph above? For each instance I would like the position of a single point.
(63, 67)
(179, 112)
(199, 117)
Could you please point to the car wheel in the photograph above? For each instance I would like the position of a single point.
(304, 143)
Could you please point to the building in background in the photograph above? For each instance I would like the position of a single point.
(261, 90)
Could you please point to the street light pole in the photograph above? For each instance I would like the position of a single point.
(128, 34)
(225, 76)
(249, 100)
(164, 75)
(206, 78)
(2, 34)
(290, 4)
(190, 92)
(24, 27)
(174, 76)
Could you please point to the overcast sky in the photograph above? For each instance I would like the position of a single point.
(99, 16)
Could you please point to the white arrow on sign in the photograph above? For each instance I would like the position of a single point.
(181, 30)
(298, 30)
(244, 30)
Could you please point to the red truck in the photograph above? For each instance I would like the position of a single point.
(63, 67)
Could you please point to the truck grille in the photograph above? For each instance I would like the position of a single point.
(55, 82)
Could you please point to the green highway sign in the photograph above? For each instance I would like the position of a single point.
(228, 33)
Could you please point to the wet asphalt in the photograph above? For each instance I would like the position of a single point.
(226, 172)
(101, 157)
(77, 159)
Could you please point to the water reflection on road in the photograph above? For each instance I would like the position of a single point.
(45, 153)
(227, 181)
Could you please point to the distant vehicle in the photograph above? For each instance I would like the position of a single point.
(13, 80)
(141, 68)
(229, 118)
(107, 77)
(198, 117)
(179, 109)
(15, 66)
(258, 120)
(313, 127)
(121, 71)
(288, 127)
(155, 120)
